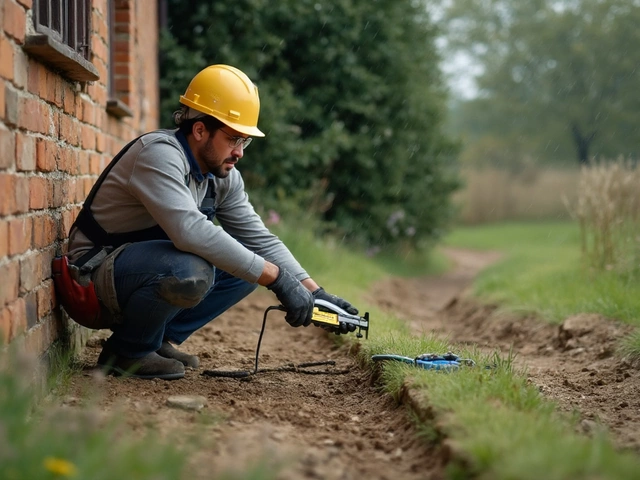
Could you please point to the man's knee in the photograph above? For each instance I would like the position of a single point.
(188, 288)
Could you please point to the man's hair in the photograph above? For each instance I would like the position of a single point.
(185, 124)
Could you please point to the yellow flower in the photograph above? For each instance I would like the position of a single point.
(60, 466)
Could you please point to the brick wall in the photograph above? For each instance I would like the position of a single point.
(56, 136)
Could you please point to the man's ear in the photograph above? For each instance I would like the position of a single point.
(198, 130)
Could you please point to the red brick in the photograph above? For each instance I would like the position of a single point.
(18, 310)
(38, 240)
(5, 325)
(6, 54)
(88, 112)
(38, 194)
(25, 152)
(69, 100)
(59, 85)
(46, 152)
(9, 272)
(45, 122)
(122, 69)
(4, 238)
(122, 57)
(28, 113)
(20, 69)
(64, 160)
(33, 80)
(43, 84)
(15, 20)
(101, 142)
(19, 235)
(124, 85)
(74, 164)
(68, 217)
(12, 103)
(31, 309)
(88, 185)
(2, 98)
(30, 272)
(38, 339)
(7, 197)
(21, 194)
(83, 162)
(7, 148)
(44, 231)
(68, 130)
(88, 139)
(45, 298)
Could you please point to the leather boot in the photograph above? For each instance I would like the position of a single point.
(169, 351)
(147, 367)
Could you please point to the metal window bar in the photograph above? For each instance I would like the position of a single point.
(66, 21)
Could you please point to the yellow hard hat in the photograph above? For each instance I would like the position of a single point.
(226, 93)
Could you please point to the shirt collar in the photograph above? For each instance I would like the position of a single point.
(195, 168)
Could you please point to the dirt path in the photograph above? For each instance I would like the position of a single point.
(574, 363)
(339, 426)
(333, 426)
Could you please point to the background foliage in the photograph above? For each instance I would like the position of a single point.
(558, 77)
(352, 104)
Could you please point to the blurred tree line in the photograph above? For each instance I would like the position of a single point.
(559, 78)
(352, 102)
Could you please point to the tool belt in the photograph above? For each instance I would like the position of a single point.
(80, 302)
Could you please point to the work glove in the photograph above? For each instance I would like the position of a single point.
(321, 294)
(294, 297)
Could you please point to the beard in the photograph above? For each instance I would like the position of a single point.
(216, 165)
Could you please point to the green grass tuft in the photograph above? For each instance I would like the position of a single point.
(543, 273)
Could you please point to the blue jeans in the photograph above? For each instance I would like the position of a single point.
(167, 294)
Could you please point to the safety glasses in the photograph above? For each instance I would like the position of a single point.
(235, 142)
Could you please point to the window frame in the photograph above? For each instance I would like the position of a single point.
(63, 37)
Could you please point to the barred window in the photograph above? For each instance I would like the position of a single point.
(63, 37)
(66, 21)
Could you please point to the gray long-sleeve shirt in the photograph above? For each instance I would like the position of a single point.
(152, 184)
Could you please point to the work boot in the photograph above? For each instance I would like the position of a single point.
(169, 351)
(147, 367)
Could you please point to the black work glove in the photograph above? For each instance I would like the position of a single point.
(321, 294)
(294, 297)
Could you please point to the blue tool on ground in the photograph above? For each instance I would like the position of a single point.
(429, 361)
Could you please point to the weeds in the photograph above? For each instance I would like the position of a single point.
(531, 193)
(51, 442)
(630, 347)
(608, 211)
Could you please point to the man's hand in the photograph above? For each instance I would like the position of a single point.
(296, 300)
(321, 294)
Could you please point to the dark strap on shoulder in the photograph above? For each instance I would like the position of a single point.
(88, 225)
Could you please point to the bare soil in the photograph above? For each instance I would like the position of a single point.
(333, 425)
(338, 424)
(574, 363)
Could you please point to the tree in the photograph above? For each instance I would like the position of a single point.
(563, 73)
(352, 104)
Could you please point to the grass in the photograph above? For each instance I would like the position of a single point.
(543, 273)
(44, 441)
(500, 424)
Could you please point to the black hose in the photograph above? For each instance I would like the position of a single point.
(300, 368)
